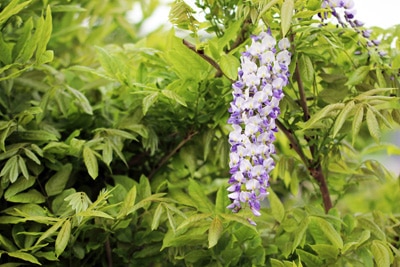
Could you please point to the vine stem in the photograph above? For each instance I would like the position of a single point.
(165, 159)
(314, 166)
(211, 61)
(108, 252)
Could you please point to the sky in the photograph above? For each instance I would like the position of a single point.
(382, 13)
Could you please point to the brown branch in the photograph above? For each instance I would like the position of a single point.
(314, 166)
(212, 62)
(323, 187)
(165, 159)
(108, 252)
(293, 142)
(241, 37)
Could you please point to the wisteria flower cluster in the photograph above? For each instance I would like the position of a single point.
(347, 6)
(256, 94)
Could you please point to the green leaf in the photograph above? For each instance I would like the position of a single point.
(236, 218)
(19, 186)
(276, 263)
(37, 135)
(343, 116)
(94, 213)
(196, 192)
(358, 75)
(22, 167)
(215, 232)
(300, 233)
(90, 160)
(49, 232)
(357, 121)
(188, 158)
(373, 125)
(229, 65)
(306, 69)
(118, 151)
(79, 201)
(171, 220)
(56, 184)
(110, 64)
(10, 169)
(5, 51)
(277, 208)
(32, 196)
(320, 227)
(230, 34)
(157, 216)
(116, 132)
(180, 57)
(24, 256)
(128, 203)
(174, 96)
(148, 101)
(7, 244)
(192, 220)
(47, 27)
(11, 9)
(309, 259)
(286, 16)
(222, 200)
(46, 57)
(373, 227)
(32, 156)
(207, 140)
(81, 99)
(381, 254)
(268, 6)
(107, 153)
(327, 252)
(327, 112)
(63, 238)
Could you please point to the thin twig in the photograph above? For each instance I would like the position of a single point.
(165, 159)
(108, 252)
(294, 142)
(212, 62)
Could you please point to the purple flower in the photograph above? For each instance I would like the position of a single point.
(255, 106)
(347, 7)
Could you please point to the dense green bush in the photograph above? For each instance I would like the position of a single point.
(114, 146)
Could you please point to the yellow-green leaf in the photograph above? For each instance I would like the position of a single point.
(373, 125)
(50, 231)
(24, 256)
(63, 238)
(148, 101)
(277, 208)
(215, 232)
(343, 116)
(57, 182)
(323, 227)
(128, 203)
(90, 160)
(229, 65)
(286, 15)
(357, 120)
(157, 216)
(306, 69)
(381, 254)
(358, 75)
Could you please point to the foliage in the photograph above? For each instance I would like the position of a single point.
(113, 144)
